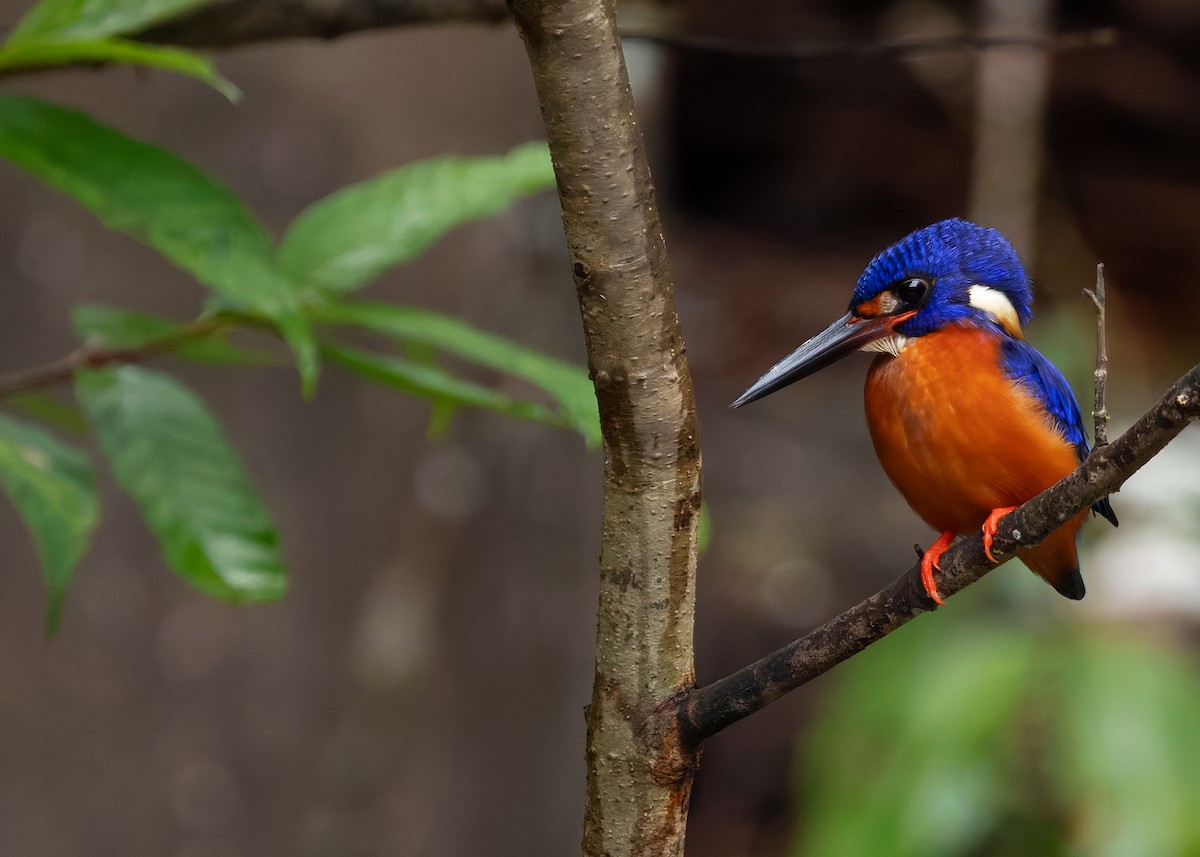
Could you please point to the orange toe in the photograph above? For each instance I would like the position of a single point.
(930, 561)
(991, 526)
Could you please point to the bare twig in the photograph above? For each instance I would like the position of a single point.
(707, 710)
(93, 357)
(790, 51)
(1099, 409)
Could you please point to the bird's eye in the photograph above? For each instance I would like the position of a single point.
(911, 291)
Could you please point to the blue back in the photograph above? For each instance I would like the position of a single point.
(1025, 365)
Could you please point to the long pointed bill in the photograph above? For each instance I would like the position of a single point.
(844, 336)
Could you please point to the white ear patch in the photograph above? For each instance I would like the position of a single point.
(997, 305)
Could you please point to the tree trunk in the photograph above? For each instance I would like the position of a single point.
(639, 777)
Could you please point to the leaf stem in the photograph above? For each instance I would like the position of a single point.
(63, 369)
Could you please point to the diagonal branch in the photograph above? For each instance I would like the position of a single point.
(706, 710)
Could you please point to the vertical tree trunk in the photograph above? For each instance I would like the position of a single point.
(639, 776)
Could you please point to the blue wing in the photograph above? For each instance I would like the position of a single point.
(1025, 365)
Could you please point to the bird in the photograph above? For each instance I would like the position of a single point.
(967, 418)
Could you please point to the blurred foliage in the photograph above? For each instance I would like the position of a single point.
(998, 738)
(163, 446)
(51, 484)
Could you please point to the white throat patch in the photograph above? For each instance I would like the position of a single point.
(998, 306)
(891, 344)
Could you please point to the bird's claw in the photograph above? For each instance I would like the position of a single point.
(930, 560)
(991, 526)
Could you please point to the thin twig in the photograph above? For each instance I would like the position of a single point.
(1099, 409)
(706, 710)
(93, 357)
(1081, 40)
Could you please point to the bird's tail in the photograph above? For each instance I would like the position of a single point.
(1056, 559)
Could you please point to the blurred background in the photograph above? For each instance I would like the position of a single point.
(420, 690)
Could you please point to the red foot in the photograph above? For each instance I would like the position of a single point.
(930, 561)
(991, 526)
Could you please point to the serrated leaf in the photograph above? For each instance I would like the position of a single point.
(163, 201)
(171, 456)
(434, 383)
(567, 384)
(30, 55)
(346, 239)
(79, 20)
(51, 485)
(121, 328)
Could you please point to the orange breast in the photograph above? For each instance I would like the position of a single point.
(955, 436)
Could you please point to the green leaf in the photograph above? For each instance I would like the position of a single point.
(49, 410)
(933, 725)
(29, 55)
(435, 383)
(172, 458)
(163, 201)
(52, 487)
(567, 384)
(121, 328)
(343, 241)
(81, 20)
(1126, 760)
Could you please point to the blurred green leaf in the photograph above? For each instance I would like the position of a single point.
(434, 383)
(49, 410)
(567, 384)
(1126, 754)
(85, 20)
(172, 458)
(31, 55)
(704, 530)
(121, 328)
(346, 239)
(52, 487)
(914, 751)
(163, 201)
(960, 736)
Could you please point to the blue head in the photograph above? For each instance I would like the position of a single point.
(948, 272)
(952, 271)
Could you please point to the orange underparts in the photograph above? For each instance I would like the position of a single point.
(965, 445)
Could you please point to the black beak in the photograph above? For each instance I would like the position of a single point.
(844, 336)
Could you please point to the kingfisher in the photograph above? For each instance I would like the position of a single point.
(968, 419)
